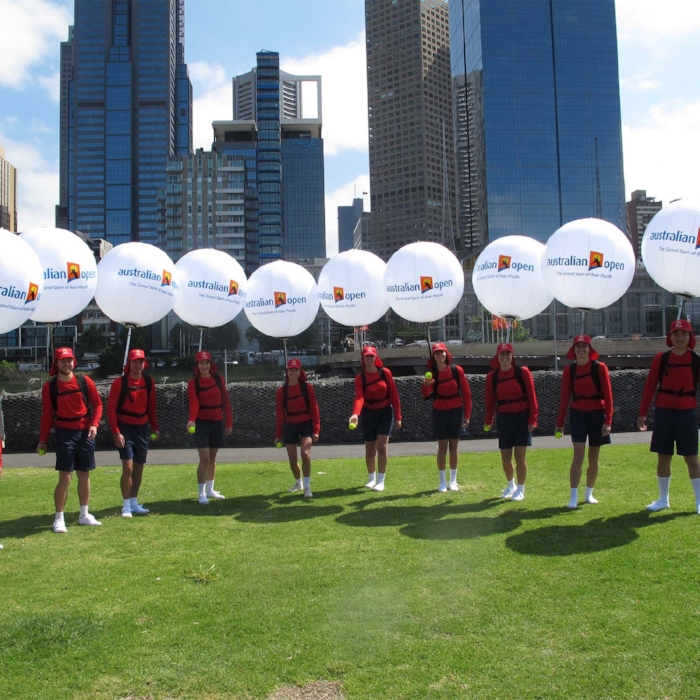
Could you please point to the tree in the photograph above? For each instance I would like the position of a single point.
(520, 334)
(91, 340)
(265, 342)
(226, 337)
(140, 338)
(111, 360)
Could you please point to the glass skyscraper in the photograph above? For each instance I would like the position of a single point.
(537, 104)
(126, 107)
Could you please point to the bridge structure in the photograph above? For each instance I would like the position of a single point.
(475, 358)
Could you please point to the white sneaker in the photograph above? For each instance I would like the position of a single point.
(215, 494)
(203, 500)
(518, 495)
(592, 500)
(59, 526)
(307, 492)
(442, 488)
(573, 503)
(454, 486)
(0, 546)
(296, 486)
(378, 487)
(139, 509)
(126, 512)
(658, 505)
(508, 491)
(371, 484)
(88, 519)
(697, 510)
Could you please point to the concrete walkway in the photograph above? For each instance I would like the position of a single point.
(110, 458)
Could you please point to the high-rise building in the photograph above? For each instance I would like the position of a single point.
(126, 107)
(640, 211)
(537, 106)
(8, 194)
(411, 144)
(347, 220)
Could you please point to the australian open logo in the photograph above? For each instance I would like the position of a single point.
(595, 260)
(697, 240)
(280, 299)
(338, 294)
(167, 279)
(426, 284)
(73, 271)
(232, 288)
(504, 262)
(32, 293)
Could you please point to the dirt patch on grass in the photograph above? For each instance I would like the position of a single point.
(320, 690)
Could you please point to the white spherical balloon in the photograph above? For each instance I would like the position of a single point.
(21, 281)
(351, 288)
(212, 288)
(588, 264)
(671, 248)
(423, 282)
(282, 299)
(137, 284)
(508, 280)
(69, 272)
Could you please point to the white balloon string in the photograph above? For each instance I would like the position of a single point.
(201, 334)
(284, 346)
(128, 343)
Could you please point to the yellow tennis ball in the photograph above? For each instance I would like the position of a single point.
(352, 426)
(42, 452)
(279, 445)
(558, 434)
(487, 428)
(154, 436)
(190, 430)
(428, 375)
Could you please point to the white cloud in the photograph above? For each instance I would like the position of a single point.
(215, 103)
(343, 70)
(37, 183)
(641, 82)
(52, 85)
(661, 154)
(342, 197)
(31, 30)
(649, 22)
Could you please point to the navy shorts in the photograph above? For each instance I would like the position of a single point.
(512, 430)
(208, 433)
(135, 442)
(447, 425)
(293, 432)
(674, 426)
(74, 451)
(376, 421)
(588, 424)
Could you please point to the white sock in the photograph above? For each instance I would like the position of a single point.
(574, 494)
(664, 484)
(453, 476)
(83, 511)
(58, 516)
(201, 489)
(380, 478)
(695, 483)
(443, 481)
(589, 492)
(134, 501)
(307, 482)
(210, 486)
(298, 481)
(370, 476)
(127, 504)
(511, 483)
(521, 488)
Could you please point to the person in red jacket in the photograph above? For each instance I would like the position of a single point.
(131, 408)
(452, 408)
(208, 404)
(2, 441)
(67, 404)
(586, 382)
(376, 406)
(675, 372)
(510, 391)
(298, 420)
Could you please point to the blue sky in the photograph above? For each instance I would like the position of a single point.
(659, 49)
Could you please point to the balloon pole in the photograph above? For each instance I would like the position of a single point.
(681, 306)
(583, 321)
(284, 346)
(50, 342)
(509, 326)
(430, 345)
(201, 335)
(128, 343)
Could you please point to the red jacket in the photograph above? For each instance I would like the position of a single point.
(447, 387)
(679, 378)
(584, 386)
(383, 392)
(136, 401)
(509, 390)
(70, 405)
(209, 395)
(297, 406)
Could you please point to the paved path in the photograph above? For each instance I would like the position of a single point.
(109, 458)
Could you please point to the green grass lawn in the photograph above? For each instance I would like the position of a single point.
(402, 594)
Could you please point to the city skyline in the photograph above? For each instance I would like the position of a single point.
(657, 52)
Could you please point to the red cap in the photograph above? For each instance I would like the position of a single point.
(592, 354)
(370, 350)
(60, 354)
(437, 347)
(201, 356)
(135, 354)
(681, 325)
(294, 363)
(503, 347)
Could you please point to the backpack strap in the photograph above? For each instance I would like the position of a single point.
(54, 394)
(382, 378)
(595, 377)
(663, 372)
(455, 377)
(304, 388)
(518, 376)
(198, 389)
(124, 392)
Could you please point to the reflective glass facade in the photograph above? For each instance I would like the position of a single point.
(126, 105)
(537, 103)
(347, 220)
